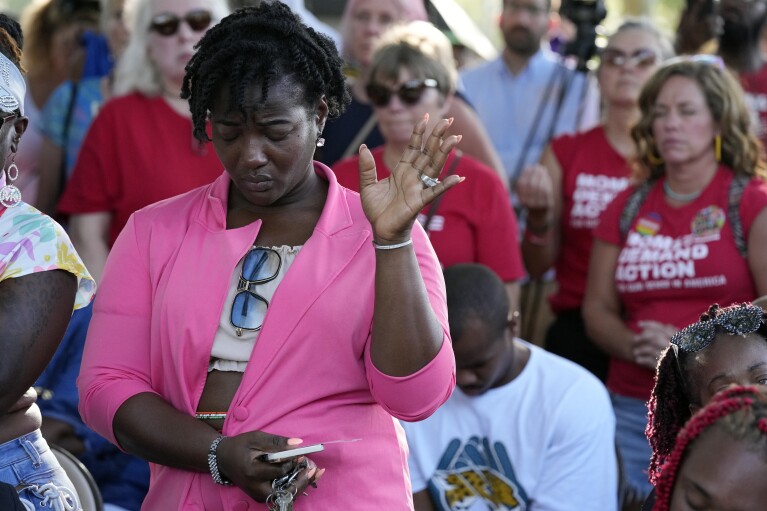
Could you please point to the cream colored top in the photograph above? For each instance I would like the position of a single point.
(231, 352)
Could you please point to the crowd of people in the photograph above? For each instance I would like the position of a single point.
(249, 261)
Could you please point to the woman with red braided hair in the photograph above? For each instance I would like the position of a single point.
(727, 346)
(719, 460)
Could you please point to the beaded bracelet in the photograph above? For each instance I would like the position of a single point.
(392, 247)
(213, 463)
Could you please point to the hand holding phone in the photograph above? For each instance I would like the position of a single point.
(292, 453)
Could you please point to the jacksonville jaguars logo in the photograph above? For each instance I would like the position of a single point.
(476, 476)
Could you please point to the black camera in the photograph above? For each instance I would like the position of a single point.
(586, 15)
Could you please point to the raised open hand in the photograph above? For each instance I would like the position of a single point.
(392, 204)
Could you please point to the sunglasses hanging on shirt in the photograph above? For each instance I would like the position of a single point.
(261, 265)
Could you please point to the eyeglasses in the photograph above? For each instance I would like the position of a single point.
(740, 320)
(409, 92)
(260, 266)
(642, 58)
(166, 24)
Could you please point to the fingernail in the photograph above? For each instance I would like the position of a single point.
(426, 117)
(295, 441)
(450, 121)
(320, 473)
(363, 146)
(311, 472)
(460, 137)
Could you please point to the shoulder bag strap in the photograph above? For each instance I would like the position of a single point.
(362, 134)
(737, 185)
(631, 209)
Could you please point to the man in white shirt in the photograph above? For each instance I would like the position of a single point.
(524, 429)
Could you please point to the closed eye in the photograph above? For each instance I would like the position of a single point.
(277, 136)
(228, 133)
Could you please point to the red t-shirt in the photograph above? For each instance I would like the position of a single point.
(138, 151)
(593, 172)
(676, 262)
(755, 89)
(474, 222)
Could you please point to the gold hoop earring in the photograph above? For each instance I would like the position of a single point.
(655, 161)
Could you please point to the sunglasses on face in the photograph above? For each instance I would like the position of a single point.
(409, 92)
(640, 58)
(166, 24)
(741, 320)
(260, 266)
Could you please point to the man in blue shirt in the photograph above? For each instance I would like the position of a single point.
(527, 96)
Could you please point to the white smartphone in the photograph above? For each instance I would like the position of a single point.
(292, 453)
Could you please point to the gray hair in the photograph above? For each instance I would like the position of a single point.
(135, 71)
(422, 49)
(647, 26)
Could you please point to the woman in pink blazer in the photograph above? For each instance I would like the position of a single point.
(273, 308)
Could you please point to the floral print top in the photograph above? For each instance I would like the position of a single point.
(32, 242)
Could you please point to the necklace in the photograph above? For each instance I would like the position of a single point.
(681, 197)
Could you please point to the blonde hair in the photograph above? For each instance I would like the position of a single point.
(741, 150)
(422, 49)
(40, 21)
(135, 71)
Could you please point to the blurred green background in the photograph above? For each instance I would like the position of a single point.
(13, 6)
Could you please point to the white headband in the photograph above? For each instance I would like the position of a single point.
(13, 88)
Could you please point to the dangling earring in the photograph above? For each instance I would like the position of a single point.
(320, 141)
(718, 147)
(10, 196)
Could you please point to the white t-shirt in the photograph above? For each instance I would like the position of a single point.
(544, 441)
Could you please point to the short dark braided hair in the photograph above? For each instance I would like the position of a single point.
(261, 45)
(475, 292)
(741, 412)
(673, 393)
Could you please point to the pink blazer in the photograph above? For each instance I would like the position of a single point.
(310, 373)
